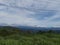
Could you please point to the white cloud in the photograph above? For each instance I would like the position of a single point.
(16, 19)
(17, 12)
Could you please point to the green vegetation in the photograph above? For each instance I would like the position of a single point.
(15, 36)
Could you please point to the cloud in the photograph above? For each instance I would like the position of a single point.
(40, 13)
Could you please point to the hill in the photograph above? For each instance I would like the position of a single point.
(15, 36)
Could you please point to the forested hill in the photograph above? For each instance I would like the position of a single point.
(10, 29)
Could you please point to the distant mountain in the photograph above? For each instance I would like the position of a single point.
(34, 29)
(37, 28)
(3, 24)
(31, 27)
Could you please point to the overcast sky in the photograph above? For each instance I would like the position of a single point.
(40, 13)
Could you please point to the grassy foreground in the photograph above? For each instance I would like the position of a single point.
(14, 37)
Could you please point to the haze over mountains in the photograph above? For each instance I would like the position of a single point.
(31, 27)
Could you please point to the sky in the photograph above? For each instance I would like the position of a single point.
(39, 13)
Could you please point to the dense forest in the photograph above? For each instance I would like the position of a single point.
(15, 36)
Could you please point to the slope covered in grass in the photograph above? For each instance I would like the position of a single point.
(15, 36)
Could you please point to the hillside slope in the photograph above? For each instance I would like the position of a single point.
(14, 36)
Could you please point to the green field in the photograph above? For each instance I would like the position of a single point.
(9, 36)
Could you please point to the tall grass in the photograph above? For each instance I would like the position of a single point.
(13, 36)
(38, 39)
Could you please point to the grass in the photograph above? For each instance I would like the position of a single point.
(37, 39)
(14, 36)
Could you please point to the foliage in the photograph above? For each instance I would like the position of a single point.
(15, 36)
